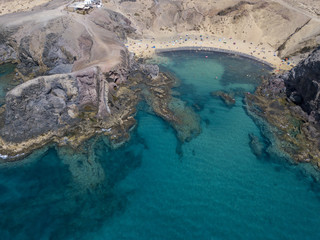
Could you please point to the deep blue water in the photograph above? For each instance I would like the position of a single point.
(218, 189)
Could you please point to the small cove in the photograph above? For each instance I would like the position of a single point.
(217, 188)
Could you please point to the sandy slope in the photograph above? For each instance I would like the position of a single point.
(282, 24)
(11, 6)
(51, 38)
(308, 6)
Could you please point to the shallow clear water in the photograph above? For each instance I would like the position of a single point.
(218, 189)
(6, 76)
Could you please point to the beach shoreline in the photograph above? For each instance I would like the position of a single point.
(218, 50)
(148, 47)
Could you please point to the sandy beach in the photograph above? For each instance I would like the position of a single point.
(146, 48)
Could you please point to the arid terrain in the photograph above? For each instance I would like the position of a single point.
(287, 27)
(311, 6)
(19, 5)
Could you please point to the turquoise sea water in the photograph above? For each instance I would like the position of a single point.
(216, 189)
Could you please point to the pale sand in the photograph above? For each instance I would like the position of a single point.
(144, 47)
(11, 6)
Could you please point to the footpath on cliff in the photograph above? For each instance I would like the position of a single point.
(78, 81)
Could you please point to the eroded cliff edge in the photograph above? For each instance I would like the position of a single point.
(290, 104)
(78, 81)
(68, 109)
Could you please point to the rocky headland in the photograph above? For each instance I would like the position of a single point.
(79, 81)
(289, 103)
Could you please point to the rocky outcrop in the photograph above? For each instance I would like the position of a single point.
(75, 69)
(68, 109)
(228, 99)
(7, 54)
(115, 23)
(303, 85)
(156, 92)
(50, 103)
(151, 70)
(64, 108)
(289, 104)
(87, 83)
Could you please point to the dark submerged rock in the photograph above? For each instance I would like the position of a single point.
(256, 145)
(228, 99)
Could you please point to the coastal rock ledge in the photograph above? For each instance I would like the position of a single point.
(68, 109)
(290, 104)
(63, 108)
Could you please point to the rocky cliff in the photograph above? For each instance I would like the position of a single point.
(66, 109)
(53, 102)
(80, 61)
(80, 81)
(289, 103)
(303, 85)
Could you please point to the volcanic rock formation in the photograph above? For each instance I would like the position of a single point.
(290, 105)
(80, 81)
(303, 85)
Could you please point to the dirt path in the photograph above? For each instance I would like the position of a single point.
(106, 53)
